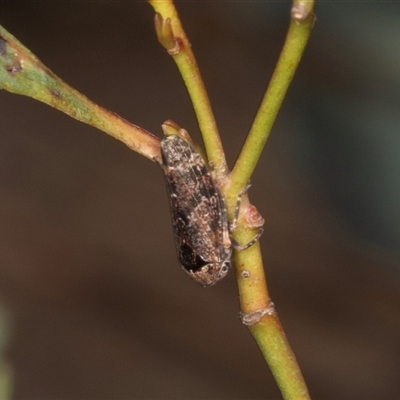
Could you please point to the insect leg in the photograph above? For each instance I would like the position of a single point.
(240, 247)
(232, 225)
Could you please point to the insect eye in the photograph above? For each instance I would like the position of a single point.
(225, 267)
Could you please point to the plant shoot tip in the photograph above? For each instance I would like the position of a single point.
(165, 34)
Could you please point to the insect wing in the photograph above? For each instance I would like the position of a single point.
(198, 213)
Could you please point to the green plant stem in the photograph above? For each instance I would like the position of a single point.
(174, 39)
(255, 301)
(22, 73)
(271, 339)
(265, 327)
(296, 40)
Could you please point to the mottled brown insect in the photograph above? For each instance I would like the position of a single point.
(199, 219)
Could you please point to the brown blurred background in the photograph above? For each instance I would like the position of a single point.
(97, 305)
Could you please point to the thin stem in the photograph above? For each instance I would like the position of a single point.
(296, 40)
(256, 306)
(171, 35)
(272, 341)
(21, 72)
(258, 313)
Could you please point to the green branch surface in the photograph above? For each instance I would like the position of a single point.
(21, 72)
(255, 302)
(299, 32)
(173, 38)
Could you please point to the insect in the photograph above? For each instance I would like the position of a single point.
(198, 212)
(199, 219)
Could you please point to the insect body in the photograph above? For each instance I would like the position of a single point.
(198, 212)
